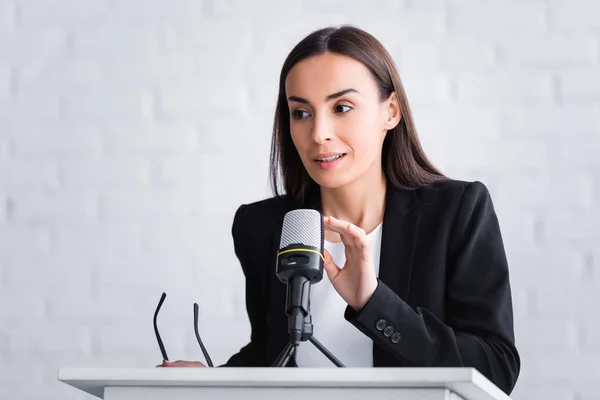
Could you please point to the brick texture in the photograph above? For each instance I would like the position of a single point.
(130, 131)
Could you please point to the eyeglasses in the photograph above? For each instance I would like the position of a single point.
(160, 342)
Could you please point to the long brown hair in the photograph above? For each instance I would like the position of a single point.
(403, 159)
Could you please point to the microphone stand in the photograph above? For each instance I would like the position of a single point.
(307, 334)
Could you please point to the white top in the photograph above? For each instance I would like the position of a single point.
(349, 345)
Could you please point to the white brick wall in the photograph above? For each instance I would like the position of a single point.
(130, 131)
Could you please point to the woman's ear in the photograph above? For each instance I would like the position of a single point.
(394, 114)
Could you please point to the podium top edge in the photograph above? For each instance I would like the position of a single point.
(260, 374)
(464, 381)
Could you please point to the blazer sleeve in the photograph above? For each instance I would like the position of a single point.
(252, 354)
(478, 328)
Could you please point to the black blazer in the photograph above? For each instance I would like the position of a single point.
(443, 287)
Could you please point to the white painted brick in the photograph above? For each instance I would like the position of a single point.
(214, 133)
(232, 33)
(580, 85)
(460, 54)
(105, 172)
(583, 297)
(4, 147)
(518, 228)
(221, 10)
(111, 102)
(564, 335)
(197, 97)
(157, 12)
(547, 391)
(195, 170)
(132, 205)
(492, 19)
(23, 47)
(590, 332)
(3, 208)
(48, 273)
(538, 191)
(571, 227)
(558, 367)
(95, 239)
(151, 137)
(20, 373)
(576, 153)
(132, 339)
(7, 16)
(116, 40)
(549, 51)
(39, 107)
(552, 121)
(56, 139)
(35, 15)
(73, 304)
(399, 26)
(23, 240)
(170, 66)
(182, 170)
(5, 82)
(440, 122)
(119, 273)
(581, 15)
(3, 342)
(470, 52)
(15, 306)
(588, 392)
(28, 173)
(499, 154)
(58, 206)
(50, 341)
(427, 89)
(502, 87)
(65, 76)
(177, 238)
(554, 263)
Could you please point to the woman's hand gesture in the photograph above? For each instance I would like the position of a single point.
(356, 281)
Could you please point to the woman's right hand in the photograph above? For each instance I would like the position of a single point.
(182, 364)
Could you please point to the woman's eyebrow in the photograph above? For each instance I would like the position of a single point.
(328, 98)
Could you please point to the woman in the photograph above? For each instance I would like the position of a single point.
(416, 273)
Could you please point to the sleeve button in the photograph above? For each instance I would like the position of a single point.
(388, 331)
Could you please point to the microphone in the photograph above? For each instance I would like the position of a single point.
(300, 262)
(299, 265)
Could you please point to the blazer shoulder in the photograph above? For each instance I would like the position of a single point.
(255, 221)
(451, 191)
(261, 211)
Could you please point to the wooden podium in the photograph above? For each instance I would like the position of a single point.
(282, 383)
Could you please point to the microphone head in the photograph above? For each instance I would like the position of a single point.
(301, 246)
(302, 227)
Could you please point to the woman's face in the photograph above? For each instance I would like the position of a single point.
(337, 120)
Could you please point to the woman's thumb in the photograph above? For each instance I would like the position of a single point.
(329, 265)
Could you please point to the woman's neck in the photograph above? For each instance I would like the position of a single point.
(361, 203)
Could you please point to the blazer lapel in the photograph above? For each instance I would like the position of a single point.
(399, 236)
(398, 241)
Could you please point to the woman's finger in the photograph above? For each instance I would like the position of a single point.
(350, 234)
(330, 267)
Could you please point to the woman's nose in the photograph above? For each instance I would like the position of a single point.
(322, 130)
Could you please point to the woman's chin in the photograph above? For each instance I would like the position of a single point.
(329, 182)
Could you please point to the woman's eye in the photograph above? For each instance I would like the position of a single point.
(342, 108)
(299, 114)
